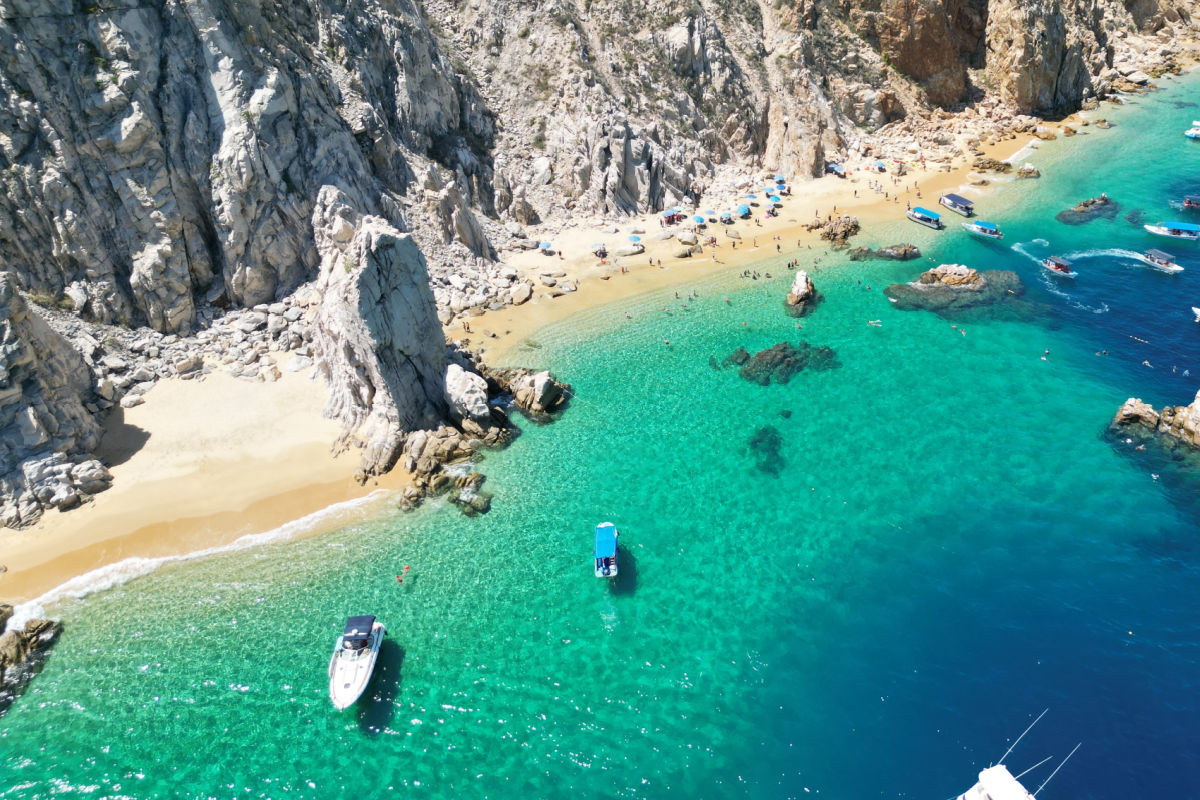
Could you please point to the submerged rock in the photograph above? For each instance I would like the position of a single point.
(780, 362)
(803, 296)
(954, 287)
(765, 445)
(1088, 210)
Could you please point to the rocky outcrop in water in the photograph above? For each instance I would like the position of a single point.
(22, 653)
(780, 362)
(1173, 426)
(952, 288)
(765, 445)
(802, 297)
(893, 252)
(1101, 207)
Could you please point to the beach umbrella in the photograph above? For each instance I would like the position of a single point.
(743, 209)
(635, 238)
(545, 245)
(697, 218)
(676, 210)
(779, 179)
(751, 197)
(710, 213)
(773, 199)
(780, 188)
(726, 215)
(668, 213)
(769, 189)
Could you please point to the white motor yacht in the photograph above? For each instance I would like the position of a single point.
(353, 660)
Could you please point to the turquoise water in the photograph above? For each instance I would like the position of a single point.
(945, 545)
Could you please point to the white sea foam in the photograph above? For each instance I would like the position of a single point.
(113, 575)
(1024, 152)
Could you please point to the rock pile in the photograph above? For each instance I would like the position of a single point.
(1173, 426)
(1101, 207)
(893, 252)
(836, 229)
(954, 288)
(22, 652)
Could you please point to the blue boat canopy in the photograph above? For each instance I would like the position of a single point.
(606, 540)
(988, 226)
(1182, 226)
(958, 200)
(925, 212)
(358, 627)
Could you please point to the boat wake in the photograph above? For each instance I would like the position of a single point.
(1109, 252)
(1052, 285)
(113, 575)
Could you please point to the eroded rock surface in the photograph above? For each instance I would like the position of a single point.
(1173, 424)
(953, 288)
(802, 297)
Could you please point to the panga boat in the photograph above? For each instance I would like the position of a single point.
(606, 550)
(1160, 260)
(1058, 266)
(957, 203)
(353, 660)
(923, 216)
(1187, 231)
(984, 230)
(1194, 131)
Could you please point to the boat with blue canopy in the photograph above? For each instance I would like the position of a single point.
(1187, 231)
(958, 203)
(606, 550)
(984, 230)
(923, 216)
(1194, 131)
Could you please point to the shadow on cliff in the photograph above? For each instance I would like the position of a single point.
(121, 440)
(376, 709)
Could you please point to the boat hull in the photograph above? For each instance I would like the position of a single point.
(980, 234)
(350, 672)
(928, 223)
(1171, 267)
(966, 212)
(1158, 230)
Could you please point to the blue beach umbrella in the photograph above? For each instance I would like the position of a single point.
(677, 210)
(769, 189)
(743, 209)
(726, 215)
(710, 213)
(773, 199)
(751, 197)
(668, 213)
(781, 188)
(697, 218)
(779, 179)
(635, 238)
(545, 245)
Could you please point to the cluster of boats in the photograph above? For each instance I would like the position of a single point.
(1056, 265)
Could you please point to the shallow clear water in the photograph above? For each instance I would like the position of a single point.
(945, 545)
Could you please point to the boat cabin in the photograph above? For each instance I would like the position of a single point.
(957, 203)
(1057, 264)
(357, 633)
(1182, 229)
(1159, 257)
(997, 783)
(924, 216)
(606, 550)
(985, 228)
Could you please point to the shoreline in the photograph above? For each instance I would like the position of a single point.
(232, 466)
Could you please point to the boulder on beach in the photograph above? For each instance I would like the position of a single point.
(630, 250)
(954, 287)
(1028, 170)
(802, 297)
(1088, 210)
(686, 237)
(836, 229)
(991, 164)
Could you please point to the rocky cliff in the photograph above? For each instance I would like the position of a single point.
(1174, 424)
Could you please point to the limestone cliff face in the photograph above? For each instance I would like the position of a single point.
(376, 337)
(45, 431)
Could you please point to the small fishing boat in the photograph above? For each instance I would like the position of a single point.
(1058, 266)
(1160, 260)
(606, 550)
(353, 659)
(1187, 231)
(1194, 131)
(923, 216)
(957, 203)
(984, 230)
(1196, 311)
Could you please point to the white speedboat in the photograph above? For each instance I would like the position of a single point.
(353, 660)
(957, 203)
(1194, 131)
(1196, 311)
(997, 783)
(606, 550)
(923, 216)
(1058, 266)
(1187, 231)
(1160, 260)
(984, 230)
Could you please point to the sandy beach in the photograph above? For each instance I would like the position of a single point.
(498, 334)
(203, 463)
